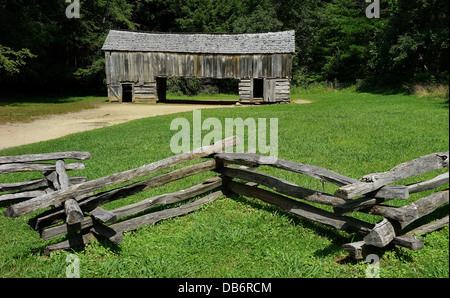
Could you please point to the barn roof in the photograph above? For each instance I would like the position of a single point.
(200, 43)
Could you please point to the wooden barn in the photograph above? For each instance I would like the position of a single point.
(138, 64)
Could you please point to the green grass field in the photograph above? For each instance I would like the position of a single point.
(351, 133)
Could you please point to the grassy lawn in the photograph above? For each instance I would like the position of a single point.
(26, 109)
(351, 133)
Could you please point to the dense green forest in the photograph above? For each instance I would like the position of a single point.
(41, 49)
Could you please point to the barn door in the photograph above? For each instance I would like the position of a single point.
(269, 90)
(114, 93)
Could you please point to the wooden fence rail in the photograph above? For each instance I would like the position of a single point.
(373, 188)
(55, 177)
(77, 210)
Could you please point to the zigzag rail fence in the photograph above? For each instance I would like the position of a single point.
(75, 209)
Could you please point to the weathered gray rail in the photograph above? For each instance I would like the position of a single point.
(78, 210)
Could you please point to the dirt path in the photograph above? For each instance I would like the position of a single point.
(56, 126)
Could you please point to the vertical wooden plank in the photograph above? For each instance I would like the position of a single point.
(284, 64)
(200, 69)
(234, 66)
(276, 65)
(108, 67)
(123, 69)
(130, 58)
(146, 68)
(140, 68)
(257, 66)
(209, 72)
(264, 66)
(190, 66)
(269, 90)
(289, 66)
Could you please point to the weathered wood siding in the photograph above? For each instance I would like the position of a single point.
(275, 90)
(139, 67)
(142, 69)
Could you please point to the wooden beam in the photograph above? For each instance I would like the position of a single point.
(38, 167)
(381, 235)
(151, 218)
(107, 232)
(103, 216)
(359, 250)
(90, 203)
(409, 241)
(34, 184)
(45, 157)
(398, 214)
(254, 160)
(73, 211)
(143, 205)
(405, 170)
(135, 223)
(63, 179)
(429, 184)
(76, 241)
(429, 227)
(93, 185)
(359, 204)
(302, 209)
(282, 186)
(170, 198)
(21, 195)
(22, 186)
(424, 206)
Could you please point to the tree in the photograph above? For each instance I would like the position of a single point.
(11, 61)
(414, 45)
(344, 40)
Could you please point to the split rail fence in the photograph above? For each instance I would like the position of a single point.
(54, 174)
(87, 219)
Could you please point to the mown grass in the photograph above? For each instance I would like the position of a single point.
(347, 132)
(27, 108)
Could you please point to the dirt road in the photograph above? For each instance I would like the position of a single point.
(56, 126)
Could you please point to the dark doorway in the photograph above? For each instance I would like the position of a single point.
(258, 88)
(127, 93)
(161, 87)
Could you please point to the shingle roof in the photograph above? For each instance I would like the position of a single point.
(249, 43)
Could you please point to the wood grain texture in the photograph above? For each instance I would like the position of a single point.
(302, 209)
(405, 170)
(133, 224)
(140, 206)
(282, 186)
(45, 157)
(90, 203)
(381, 235)
(39, 167)
(93, 185)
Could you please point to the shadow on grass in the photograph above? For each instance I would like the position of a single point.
(336, 237)
(23, 99)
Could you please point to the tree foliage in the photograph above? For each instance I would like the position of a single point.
(335, 41)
